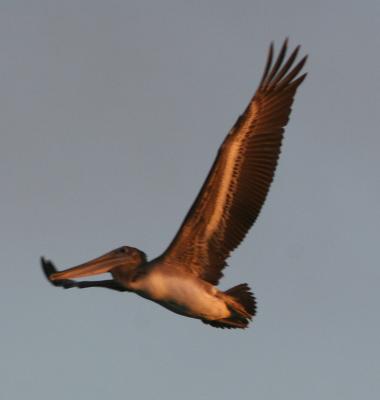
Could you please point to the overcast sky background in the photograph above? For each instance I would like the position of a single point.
(111, 113)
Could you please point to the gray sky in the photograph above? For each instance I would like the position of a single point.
(111, 115)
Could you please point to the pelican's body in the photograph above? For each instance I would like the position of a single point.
(183, 294)
(184, 278)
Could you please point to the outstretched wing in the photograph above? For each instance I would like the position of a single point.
(232, 196)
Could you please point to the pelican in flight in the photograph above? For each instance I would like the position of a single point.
(184, 278)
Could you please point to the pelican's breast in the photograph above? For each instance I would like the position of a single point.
(184, 294)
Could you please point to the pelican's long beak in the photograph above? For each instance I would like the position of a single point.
(96, 266)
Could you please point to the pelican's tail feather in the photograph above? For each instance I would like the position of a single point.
(243, 295)
(242, 305)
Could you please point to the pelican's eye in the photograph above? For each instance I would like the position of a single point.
(123, 250)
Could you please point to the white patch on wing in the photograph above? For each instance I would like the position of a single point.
(231, 162)
(224, 187)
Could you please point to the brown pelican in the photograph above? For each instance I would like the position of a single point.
(184, 278)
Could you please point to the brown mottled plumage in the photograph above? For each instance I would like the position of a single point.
(183, 278)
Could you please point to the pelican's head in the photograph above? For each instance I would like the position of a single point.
(126, 257)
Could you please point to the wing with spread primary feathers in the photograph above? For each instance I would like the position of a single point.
(232, 196)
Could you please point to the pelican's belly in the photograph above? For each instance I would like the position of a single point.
(184, 295)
